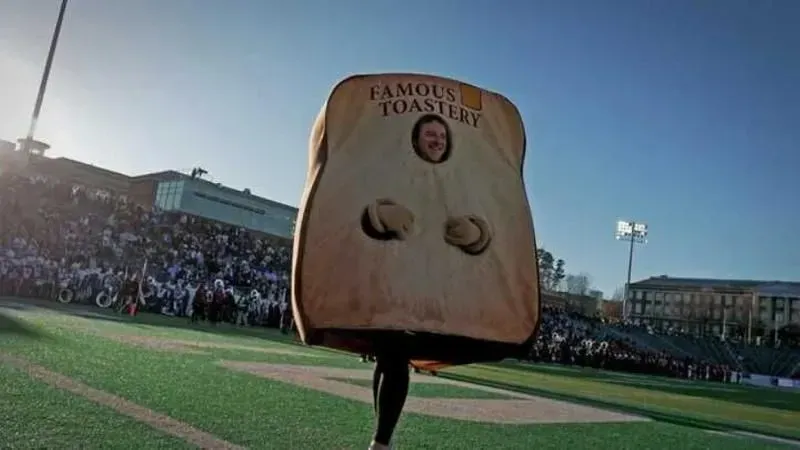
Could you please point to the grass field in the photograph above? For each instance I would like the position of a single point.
(73, 379)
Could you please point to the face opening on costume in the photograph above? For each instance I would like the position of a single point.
(431, 139)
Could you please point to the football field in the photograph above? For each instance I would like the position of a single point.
(83, 378)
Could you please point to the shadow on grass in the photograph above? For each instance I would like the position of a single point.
(747, 395)
(10, 326)
(706, 424)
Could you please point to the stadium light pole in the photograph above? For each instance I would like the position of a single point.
(37, 108)
(633, 233)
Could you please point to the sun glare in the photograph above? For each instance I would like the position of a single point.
(19, 84)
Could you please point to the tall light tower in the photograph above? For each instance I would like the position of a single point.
(634, 233)
(28, 144)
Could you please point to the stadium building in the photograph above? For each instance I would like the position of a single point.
(167, 190)
(703, 306)
(173, 191)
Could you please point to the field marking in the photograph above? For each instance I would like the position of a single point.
(79, 320)
(657, 384)
(521, 409)
(187, 346)
(125, 407)
(756, 436)
(161, 343)
(764, 437)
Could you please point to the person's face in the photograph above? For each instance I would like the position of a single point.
(433, 141)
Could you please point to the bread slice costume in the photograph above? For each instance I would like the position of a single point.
(414, 226)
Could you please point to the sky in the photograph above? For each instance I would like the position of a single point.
(681, 114)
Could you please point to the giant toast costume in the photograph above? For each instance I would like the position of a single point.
(414, 226)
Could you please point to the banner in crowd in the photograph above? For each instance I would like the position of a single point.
(760, 380)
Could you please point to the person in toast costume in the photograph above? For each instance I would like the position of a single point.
(414, 240)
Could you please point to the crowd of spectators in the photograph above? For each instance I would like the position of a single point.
(573, 339)
(51, 232)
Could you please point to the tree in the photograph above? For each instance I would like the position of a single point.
(578, 284)
(546, 268)
(551, 270)
(558, 274)
(619, 294)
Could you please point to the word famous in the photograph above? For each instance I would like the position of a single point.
(404, 98)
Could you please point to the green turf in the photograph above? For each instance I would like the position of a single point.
(757, 396)
(260, 413)
(436, 390)
(11, 326)
(35, 415)
(681, 408)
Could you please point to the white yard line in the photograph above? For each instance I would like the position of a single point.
(139, 413)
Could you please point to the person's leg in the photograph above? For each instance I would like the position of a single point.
(390, 389)
(376, 384)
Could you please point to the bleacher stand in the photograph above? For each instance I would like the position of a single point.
(52, 234)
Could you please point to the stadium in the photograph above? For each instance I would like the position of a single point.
(698, 364)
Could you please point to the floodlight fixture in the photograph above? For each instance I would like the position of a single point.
(628, 230)
(634, 233)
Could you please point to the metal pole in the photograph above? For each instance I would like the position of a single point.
(777, 323)
(750, 318)
(628, 282)
(37, 108)
(724, 322)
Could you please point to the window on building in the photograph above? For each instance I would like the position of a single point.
(169, 194)
(794, 310)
